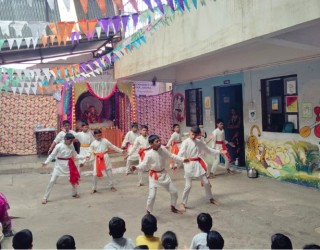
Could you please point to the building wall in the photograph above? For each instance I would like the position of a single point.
(207, 86)
(284, 156)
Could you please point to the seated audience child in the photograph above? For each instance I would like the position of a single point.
(280, 241)
(215, 240)
(199, 241)
(66, 242)
(169, 240)
(117, 228)
(22, 239)
(149, 227)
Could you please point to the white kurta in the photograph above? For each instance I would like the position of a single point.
(218, 135)
(194, 149)
(60, 136)
(156, 160)
(175, 137)
(62, 151)
(102, 146)
(140, 142)
(85, 138)
(130, 138)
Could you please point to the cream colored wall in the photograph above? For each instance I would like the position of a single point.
(214, 27)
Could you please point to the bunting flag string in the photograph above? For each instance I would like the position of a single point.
(46, 80)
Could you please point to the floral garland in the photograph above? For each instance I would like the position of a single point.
(67, 100)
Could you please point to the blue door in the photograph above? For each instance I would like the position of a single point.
(229, 108)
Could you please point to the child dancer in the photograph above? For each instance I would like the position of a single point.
(85, 138)
(127, 143)
(175, 143)
(191, 149)
(141, 144)
(155, 162)
(102, 163)
(60, 136)
(219, 142)
(64, 165)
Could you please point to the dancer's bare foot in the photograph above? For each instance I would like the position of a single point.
(148, 212)
(214, 202)
(175, 210)
(211, 175)
(76, 196)
(231, 171)
(93, 191)
(182, 207)
(113, 189)
(44, 201)
(140, 184)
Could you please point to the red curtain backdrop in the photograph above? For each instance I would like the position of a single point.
(156, 112)
(19, 115)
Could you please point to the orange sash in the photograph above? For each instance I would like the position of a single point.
(100, 164)
(154, 174)
(74, 173)
(142, 153)
(224, 147)
(202, 163)
(175, 148)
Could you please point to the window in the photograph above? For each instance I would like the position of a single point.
(279, 99)
(194, 107)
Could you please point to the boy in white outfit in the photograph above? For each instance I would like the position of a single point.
(141, 144)
(60, 136)
(219, 142)
(102, 164)
(127, 143)
(64, 153)
(192, 148)
(155, 162)
(85, 138)
(175, 143)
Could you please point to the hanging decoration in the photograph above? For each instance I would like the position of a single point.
(102, 90)
(102, 6)
(84, 5)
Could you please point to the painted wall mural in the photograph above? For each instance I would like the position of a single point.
(292, 161)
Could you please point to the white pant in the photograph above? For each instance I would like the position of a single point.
(216, 161)
(153, 192)
(187, 188)
(52, 182)
(109, 178)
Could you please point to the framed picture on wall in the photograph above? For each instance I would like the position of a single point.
(274, 105)
(307, 110)
(294, 119)
(291, 104)
(290, 86)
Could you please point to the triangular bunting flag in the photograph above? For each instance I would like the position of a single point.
(203, 2)
(116, 23)
(119, 4)
(62, 28)
(69, 28)
(18, 42)
(160, 6)
(10, 42)
(34, 42)
(27, 90)
(102, 6)
(104, 24)
(83, 26)
(135, 19)
(4, 25)
(148, 3)
(44, 40)
(51, 4)
(124, 19)
(134, 5)
(20, 90)
(28, 40)
(40, 89)
(98, 30)
(170, 3)
(51, 38)
(91, 27)
(54, 72)
(59, 39)
(1, 86)
(186, 4)
(84, 5)
(14, 89)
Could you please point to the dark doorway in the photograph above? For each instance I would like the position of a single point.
(229, 108)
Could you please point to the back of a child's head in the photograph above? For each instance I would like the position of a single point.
(22, 240)
(149, 224)
(204, 221)
(215, 240)
(66, 242)
(311, 246)
(117, 227)
(169, 240)
(141, 247)
(280, 241)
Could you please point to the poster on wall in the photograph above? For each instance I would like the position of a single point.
(307, 110)
(252, 115)
(146, 88)
(207, 102)
(291, 104)
(179, 107)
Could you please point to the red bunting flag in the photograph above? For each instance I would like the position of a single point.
(102, 6)
(84, 5)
